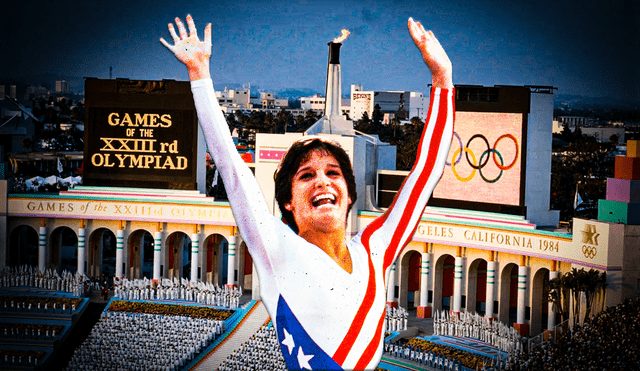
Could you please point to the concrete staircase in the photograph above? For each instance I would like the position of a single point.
(244, 331)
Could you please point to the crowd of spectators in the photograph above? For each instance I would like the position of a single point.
(396, 318)
(141, 341)
(20, 359)
(472, 325)
(39, 304)
(126, 340)
(609, 341)
(170, 309)
(49, 279)
(439, 356)
(260, 352)
(22, 331)
(183, 289)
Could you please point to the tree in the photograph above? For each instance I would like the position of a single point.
(407, 148)
(416, 121)
(241, 117)
(572, 282)
(395, 124)
(285, 120)
(566, 133)
(27, 144)
(270, 124)
(299, 122)
(232, 122)
(257, 120)
(577, 132)
(310, 118)
(215, 187)
(572, 285)
(614, 139)
(592, 283)
(365, 124)
(586, 161)
(558, 288)
(377, 116)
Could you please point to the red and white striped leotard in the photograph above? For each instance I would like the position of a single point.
(326, 318)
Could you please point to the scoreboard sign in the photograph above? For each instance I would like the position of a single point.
(486, 165)
(140, 134)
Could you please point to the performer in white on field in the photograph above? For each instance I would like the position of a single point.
(326, 294)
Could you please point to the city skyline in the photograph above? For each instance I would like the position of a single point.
(585, 48)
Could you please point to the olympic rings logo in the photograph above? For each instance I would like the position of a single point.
(589, 251)
(478, 164)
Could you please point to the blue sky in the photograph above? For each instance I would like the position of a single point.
(584, 47)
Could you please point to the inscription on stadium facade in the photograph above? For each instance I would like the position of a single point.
(118, 210)
(140, 134)
(139, 153)
(516, 242)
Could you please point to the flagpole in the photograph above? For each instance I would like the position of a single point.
(577, 200)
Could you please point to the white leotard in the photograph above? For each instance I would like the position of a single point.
(326, 318)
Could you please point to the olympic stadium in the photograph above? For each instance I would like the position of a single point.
(487, 242)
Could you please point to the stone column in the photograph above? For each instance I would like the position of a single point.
(157, 255)
(492, 268)
(391, 287)
(551, 319)
(231, 262)
(424, 309)
(119, 252)
(81, 251)
(521, 325)
(195, 256)
(457, 284)
(42, 249)
(255, 284)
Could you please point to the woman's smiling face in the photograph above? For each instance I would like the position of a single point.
(319, 195)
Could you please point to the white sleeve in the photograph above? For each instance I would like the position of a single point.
(395, 228)
(260, 230)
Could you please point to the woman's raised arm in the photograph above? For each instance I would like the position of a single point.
(433, 54)
(188, 48)
(395, 228)
(258, 227)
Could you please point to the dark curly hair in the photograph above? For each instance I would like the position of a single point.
(297, 154)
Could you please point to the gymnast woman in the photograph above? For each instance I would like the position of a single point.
(325, 293)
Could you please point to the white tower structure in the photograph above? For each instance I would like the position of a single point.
(333, 122)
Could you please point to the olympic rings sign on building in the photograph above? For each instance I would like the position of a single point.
(589, 251)
(477, 164)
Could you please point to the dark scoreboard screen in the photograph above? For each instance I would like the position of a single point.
(140, 134)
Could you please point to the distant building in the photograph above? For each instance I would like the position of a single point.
(601, 133)
(11, 92)
(478, 246)
(16, 124)
(234, 98)
(34, 92)
(317, 103)
(62, 86)
(401, 104)
(268, 100)
(572, 122)
(604, 134)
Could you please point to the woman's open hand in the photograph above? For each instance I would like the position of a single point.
(195, 54)
(433, 54)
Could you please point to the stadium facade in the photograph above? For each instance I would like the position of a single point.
(486, 243)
